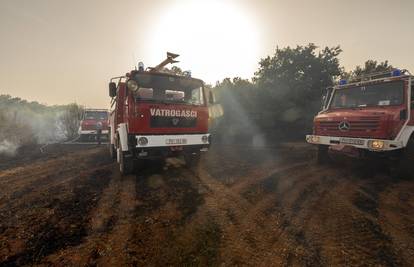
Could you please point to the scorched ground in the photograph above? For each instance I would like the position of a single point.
(242, 206)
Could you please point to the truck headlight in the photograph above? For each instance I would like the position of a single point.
(314, 139)
(376, 144)
(132, 85)
(143, 141)
(204, 139)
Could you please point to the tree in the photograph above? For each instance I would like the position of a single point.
(291, 81)
(71, 118)
(370, 66)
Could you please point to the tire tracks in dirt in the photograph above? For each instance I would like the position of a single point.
(270, 212)
(246, 229)
(46, 221)
(109, 228)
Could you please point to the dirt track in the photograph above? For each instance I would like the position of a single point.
(255, 207)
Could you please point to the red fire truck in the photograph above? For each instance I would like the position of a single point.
(371, 115)
(92, 121)
(157, 114)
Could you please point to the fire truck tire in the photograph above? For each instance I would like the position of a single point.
(112, 151)
(126, 165)
(192, 159)
(405, 169)
(323, 155)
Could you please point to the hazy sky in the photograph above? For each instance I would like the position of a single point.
(57, 52)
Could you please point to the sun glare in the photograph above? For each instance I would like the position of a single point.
(216, 39)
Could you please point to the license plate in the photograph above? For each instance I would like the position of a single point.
(176, 141)
(352, 141)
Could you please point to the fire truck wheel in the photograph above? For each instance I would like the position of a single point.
(323, 155)
(192, 159)
(126, 165)
(405, 169)
(112, 151)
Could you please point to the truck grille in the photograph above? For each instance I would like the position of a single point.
(363, 124)
(174, 122)
(88, 127)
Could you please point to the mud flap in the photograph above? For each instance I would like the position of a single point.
(126, 163)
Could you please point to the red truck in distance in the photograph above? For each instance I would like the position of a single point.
(92, 121)
(157, 114)
(372, 115)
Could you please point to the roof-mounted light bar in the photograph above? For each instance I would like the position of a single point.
(376, 75)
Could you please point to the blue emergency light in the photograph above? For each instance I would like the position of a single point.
(396, 72)
(342, 82)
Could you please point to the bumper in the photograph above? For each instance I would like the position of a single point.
(164, 152)
(173, 140)
(90, 132)
(377, 145)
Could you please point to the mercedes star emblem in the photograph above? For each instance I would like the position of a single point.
(344, 126)
(175, 121)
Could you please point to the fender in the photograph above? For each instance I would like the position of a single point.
(123, 136)
(406, 132)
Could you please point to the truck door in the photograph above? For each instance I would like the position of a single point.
(120, 104)
(411, 122)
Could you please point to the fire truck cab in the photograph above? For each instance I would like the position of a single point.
(92, 121)
(156, 114)
(371, 115)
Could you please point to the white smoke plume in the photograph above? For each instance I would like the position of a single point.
(8, 148)
(28, 123)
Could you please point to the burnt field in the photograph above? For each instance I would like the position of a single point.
(242, 206)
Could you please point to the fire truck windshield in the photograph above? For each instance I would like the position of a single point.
(96, 115)
(159, 87)
(193, 96)
(382, 94)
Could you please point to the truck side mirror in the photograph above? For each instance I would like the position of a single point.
(112, 89)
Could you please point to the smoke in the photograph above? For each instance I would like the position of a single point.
(46, 128)
(292, 114)
(8, 148)
(25, 123)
